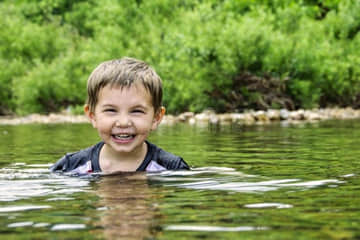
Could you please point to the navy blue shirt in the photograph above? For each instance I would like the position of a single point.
(87, 161)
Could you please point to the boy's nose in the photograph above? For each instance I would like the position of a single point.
(123, 122)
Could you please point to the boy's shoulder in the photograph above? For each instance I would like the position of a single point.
(166, 159)
(71, 161)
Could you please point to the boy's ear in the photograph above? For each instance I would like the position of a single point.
(90, 115)
(158, 117)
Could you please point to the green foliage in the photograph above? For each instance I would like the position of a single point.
(49, 47)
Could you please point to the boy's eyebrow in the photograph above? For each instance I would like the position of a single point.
(108, 105)
(140, 105)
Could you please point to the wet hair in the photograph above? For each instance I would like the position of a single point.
(124, 72)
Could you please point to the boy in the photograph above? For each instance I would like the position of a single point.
(124, 104)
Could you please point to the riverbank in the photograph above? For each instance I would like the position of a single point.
(208, 117)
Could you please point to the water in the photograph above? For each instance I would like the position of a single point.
(260, 182)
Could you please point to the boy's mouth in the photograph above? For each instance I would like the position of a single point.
(123, 136)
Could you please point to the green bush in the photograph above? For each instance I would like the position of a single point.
(199, 48)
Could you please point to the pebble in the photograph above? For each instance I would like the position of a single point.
(209, 117)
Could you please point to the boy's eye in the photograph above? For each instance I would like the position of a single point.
(109, 110)
(138, 111)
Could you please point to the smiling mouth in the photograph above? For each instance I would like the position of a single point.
(123, 136)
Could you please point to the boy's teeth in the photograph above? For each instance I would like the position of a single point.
(122, 136)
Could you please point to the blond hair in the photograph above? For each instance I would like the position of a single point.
(124, 72)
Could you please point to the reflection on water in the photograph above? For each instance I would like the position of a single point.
(250, 183)
(127, 206)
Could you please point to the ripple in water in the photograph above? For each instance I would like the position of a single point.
(268, 205)
(21, 208)
(213, 228)
(62, 227)
(21, 181)
(228, 179)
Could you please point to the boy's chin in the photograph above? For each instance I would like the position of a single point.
(125, 148)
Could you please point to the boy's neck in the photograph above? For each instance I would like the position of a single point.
(111, 161)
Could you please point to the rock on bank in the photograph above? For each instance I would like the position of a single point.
(210, 117)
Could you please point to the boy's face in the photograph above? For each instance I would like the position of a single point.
(124, 117)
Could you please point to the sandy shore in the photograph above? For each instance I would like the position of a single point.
(209, 117)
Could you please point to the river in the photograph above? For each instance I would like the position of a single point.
(247, 182)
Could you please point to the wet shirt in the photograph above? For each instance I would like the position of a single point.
(87, 161)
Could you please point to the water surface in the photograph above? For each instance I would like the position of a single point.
(259, 182)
